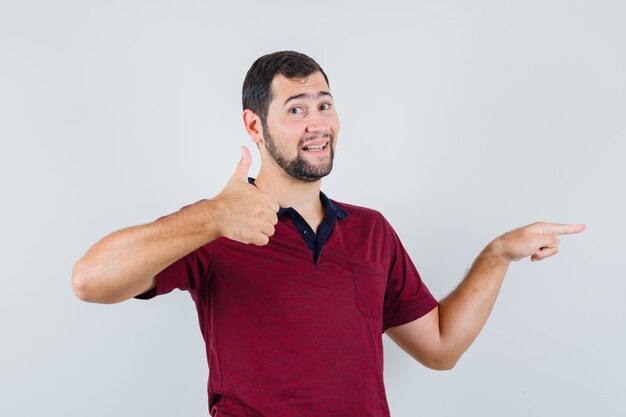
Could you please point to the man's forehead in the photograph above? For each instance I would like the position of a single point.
(283, 87)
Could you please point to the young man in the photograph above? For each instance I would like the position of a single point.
(294, 290)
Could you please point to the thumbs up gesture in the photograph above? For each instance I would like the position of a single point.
(245, 213)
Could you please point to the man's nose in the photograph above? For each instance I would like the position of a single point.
(316, 124)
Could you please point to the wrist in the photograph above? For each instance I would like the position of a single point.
(495, 251)
(209, 217)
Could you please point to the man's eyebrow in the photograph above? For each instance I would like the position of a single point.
(309, 96)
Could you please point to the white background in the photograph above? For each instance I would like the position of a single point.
(461, 120)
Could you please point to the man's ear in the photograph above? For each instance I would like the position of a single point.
(252, 122)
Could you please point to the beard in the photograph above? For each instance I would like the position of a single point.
(299, 167)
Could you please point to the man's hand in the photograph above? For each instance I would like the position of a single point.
(537, 240)
(245, 213)
(439, 338)
(125, 263)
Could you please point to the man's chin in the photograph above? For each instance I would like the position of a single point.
(309, 176)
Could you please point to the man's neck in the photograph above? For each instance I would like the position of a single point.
(303, 196)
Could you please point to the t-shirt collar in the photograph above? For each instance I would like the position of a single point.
(329, 207)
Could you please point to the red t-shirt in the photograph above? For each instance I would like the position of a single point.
(290, 337)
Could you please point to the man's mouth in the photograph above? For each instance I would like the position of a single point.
(316, 148)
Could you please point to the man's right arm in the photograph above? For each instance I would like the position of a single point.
(125, 263)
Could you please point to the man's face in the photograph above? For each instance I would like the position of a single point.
(302, 126)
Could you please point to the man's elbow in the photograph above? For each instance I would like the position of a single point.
(80, 283)
(442, 366)
(441, 363)
(85, 287)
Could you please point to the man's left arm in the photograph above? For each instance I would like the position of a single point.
(439, 338)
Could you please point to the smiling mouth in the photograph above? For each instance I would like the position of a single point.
(316, 148)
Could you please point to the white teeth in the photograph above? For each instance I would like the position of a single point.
(314, 147)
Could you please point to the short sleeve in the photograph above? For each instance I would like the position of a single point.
(406, 298)
(189, 273)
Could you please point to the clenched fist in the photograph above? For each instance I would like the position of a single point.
(537, 240)
(245, 213)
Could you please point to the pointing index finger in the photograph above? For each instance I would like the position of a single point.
(561, 229)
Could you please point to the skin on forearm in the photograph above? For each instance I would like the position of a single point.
(464, 312)
(124, 263)
(439, 338)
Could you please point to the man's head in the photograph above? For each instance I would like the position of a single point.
(289, 113)
(256, 93)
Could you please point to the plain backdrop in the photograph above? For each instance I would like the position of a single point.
(461, 120)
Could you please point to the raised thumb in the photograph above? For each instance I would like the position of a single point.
(241, 172)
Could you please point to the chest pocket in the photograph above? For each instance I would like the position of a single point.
(370, 285)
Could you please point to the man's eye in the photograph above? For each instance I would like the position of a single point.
(295, 110)
(325, 106)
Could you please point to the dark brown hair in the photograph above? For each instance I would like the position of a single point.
(256, 93)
